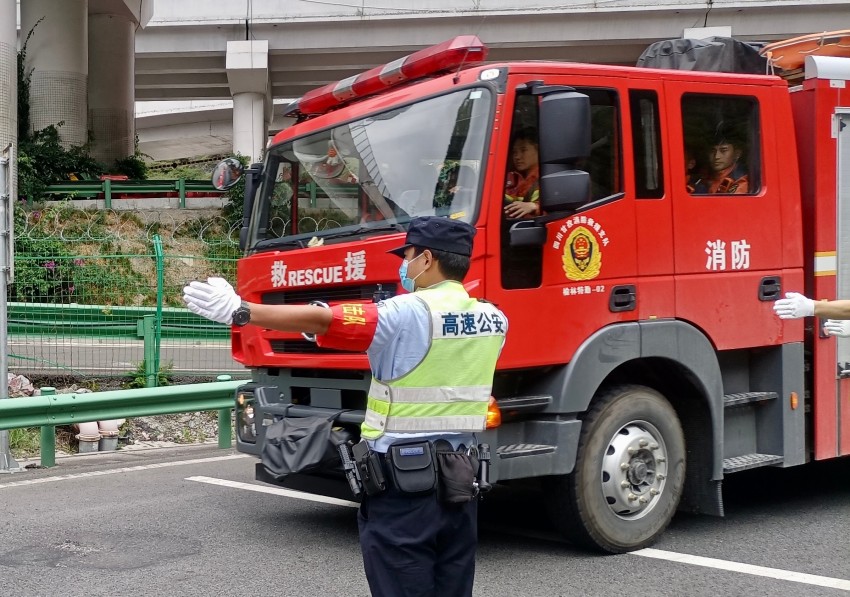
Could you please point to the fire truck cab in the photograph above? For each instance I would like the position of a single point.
(644, 362)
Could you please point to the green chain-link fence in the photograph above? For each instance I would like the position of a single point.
(97, 293)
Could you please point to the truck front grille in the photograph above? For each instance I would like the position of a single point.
(303, 347)
(366, 292)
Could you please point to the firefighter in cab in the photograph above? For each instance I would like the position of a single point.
(724, 171)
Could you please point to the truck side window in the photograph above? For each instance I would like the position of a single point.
(604, 164)
(722, 142)
(522, 267)
(646, 144)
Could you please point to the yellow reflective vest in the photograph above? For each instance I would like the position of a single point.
(448, 391)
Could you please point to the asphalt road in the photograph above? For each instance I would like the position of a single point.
(95, 356)
(192, 521)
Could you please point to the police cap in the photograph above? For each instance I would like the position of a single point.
(441, 234)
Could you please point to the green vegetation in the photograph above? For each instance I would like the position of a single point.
(26, 443)
(49, 269)
(138, 378)
(42, 159)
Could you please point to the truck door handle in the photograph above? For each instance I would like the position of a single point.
(770, 288)
(623, 298)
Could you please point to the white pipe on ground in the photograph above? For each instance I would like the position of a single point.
(89, 432)
(109, 428)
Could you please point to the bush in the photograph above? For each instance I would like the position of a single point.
(44, 270)
(42, 160)
(133, 167)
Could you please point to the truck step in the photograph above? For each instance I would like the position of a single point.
(747, 398)
(524, 403)
(517, 450)
(748, 461)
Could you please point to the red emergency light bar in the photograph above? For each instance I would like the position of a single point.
(451, 54)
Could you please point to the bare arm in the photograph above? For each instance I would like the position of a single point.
(292, 318)
(833, 309)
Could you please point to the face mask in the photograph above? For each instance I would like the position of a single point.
(409, 284)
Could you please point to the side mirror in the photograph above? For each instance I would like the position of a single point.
(227, 173)
(564, 125)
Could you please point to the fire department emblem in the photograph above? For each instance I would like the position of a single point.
(582, 255)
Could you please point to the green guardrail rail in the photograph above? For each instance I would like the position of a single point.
(109, 322)
(108, 189)
(49, 409)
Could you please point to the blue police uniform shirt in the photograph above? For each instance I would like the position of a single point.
(401, 340)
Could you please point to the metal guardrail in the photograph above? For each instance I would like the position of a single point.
(135, 323)
(107, 189)
(50, 409)
(104, 321)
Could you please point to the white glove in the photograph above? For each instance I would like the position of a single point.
(214, 299)
(837, 327)
(794, 306)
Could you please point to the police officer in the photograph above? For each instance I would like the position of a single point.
(433, 354)
(796, 305)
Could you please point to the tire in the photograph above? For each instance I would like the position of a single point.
(616, 501)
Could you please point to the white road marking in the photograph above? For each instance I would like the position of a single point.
(275, 491)
(800, 577)
(126, 469)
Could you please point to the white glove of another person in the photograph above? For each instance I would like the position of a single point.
(214, 299)
(794, 306)
(837, 327)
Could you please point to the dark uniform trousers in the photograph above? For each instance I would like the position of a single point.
(417, 546)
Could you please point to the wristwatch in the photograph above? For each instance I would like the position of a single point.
(242, 315)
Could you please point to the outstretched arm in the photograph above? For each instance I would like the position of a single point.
(795, 305)
(215, 299)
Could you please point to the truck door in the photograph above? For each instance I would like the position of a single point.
(726, 213)
(557, 295)
(841, 126)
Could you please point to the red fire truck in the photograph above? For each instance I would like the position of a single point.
(644, 362)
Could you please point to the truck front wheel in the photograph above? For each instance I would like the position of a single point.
(629, 472)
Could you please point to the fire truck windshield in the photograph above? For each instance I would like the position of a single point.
(373, 175)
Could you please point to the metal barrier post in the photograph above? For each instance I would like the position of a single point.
(7, 462)
(160, 292)
(107, 193)
(47, 446)
(225, 428)
(149, 334)
(181, 192)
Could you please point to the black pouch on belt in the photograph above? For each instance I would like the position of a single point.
(412, 467)
(457, 471)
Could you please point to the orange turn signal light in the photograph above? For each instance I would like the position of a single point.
(794, 401)
(494, 415)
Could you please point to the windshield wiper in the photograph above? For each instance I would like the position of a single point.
(301, 240)
(396, 227)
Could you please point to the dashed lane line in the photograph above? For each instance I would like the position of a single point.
(799, 577)
(275, 491)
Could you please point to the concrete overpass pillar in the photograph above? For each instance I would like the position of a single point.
(111, 91)
(58, 56)
(248, 75)
(9, 79)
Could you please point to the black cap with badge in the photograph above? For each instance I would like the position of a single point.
(442, 234)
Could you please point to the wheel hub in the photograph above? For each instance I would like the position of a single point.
(634, 470)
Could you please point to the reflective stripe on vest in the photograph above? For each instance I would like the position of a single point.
(450, 388)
